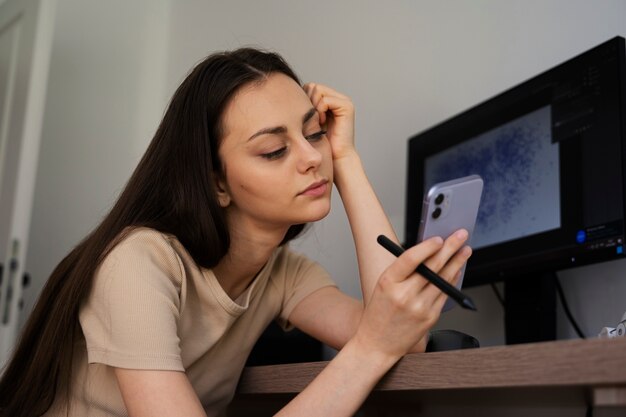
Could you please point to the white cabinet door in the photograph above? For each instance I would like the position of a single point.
(26, 28)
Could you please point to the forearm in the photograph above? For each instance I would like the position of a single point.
(341, 388)
(367, 220)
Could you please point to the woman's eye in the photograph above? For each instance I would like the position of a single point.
(316, 136)
(275, 154)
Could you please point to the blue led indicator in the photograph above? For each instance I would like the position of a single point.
(619, 249)
(581, 236)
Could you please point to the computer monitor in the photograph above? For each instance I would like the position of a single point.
(551, 152)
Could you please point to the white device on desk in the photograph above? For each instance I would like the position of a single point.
(448, 207)
(617, 331)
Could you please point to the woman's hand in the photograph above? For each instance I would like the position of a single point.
(336, 112)
(404, 305)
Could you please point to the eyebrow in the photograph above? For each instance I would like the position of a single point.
(282, 129)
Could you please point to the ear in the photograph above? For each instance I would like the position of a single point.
(223, 196)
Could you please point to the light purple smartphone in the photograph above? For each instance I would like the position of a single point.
(448, 207)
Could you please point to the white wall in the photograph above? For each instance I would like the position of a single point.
(106, 94)
(407, 65)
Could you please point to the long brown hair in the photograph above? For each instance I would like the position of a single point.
(171, 190)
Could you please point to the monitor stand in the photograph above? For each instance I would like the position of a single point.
(530, 308)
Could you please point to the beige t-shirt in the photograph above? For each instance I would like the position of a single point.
(152, 307)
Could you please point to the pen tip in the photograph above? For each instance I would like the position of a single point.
(469, 304)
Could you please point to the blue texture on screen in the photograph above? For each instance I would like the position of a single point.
(519, 167)
(505, 171)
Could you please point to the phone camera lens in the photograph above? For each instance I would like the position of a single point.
(436, 213)
(439, 199)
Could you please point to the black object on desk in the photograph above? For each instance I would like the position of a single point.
(443, 340)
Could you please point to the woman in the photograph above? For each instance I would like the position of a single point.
(155, 312)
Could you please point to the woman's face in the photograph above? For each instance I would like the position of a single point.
(276, 157)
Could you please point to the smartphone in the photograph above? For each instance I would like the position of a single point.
(448, 207)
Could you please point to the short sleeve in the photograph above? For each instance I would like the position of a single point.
(302, 277)
(130, 319)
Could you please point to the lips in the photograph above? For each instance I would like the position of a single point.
(316, 189)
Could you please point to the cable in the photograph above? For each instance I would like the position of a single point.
(559, 290)
(568, 313)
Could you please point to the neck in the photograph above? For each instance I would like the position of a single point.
(247, 254)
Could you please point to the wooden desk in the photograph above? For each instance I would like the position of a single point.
(573, 373)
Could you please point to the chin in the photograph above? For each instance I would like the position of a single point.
(321, 217)
(317, 213)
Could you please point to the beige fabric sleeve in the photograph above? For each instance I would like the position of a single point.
(302, 277)
(130, 319)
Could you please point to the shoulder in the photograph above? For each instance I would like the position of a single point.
(140, 238)
(142, 249)
(130, 319)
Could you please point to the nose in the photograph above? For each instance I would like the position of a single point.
(308, 156)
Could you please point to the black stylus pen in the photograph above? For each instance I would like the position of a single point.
(447, 288)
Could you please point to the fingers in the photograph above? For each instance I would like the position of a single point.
(406, 263)
(451, 272)
(451, 246)
(447, 263)
(454, 265)
(326, 99)
(316, 91)
(336, 116)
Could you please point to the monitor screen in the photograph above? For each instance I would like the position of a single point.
(519, 165)
(550, 152)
